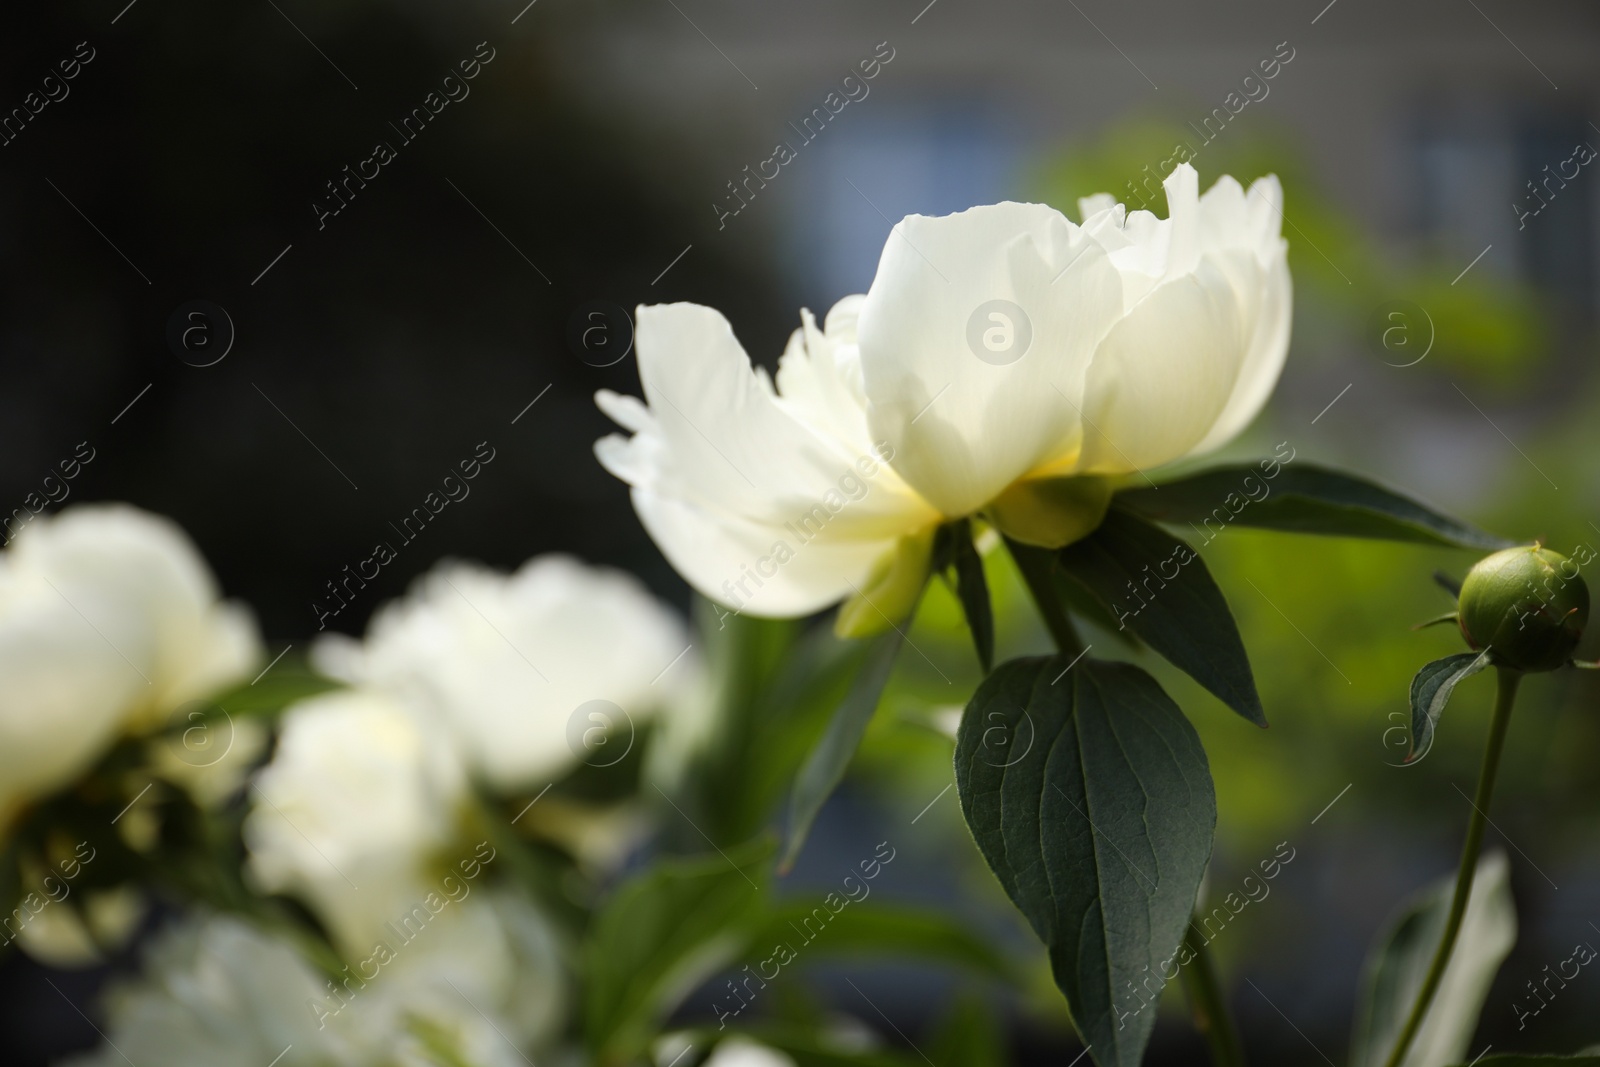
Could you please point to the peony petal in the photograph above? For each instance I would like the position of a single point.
(825, 389)
(67, 689)
(1268, 348)
(1149, 406)
(732, 443)
(359, 798)
(149, 568)
(1162, 375)
(628, 412)
(726, 469)
(964, 425)
(1259, 272)
(760, 569)
(1090, 206)
(843, 317)
(502, 663)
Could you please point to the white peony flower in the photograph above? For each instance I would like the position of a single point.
(503, 663)
(1005, 361)
(743, 1052)
(109, 620)
(360, 803)
(211, 756)
(217, 992)
(493, 952)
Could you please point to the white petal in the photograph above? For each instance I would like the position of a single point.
(359, 797)
(627, 459)
(1183, 215)
(743, 1052)
(963, 427)
(1265, 203)
(1250, 222)
(1150, 250)
(842, 318)
(108, 621)
(1160, 392)
(766, 570)
(820, 381)
(338, 656)
(67, 691)
(1090, 206)
(1268, 348)
(150, 568)
(502, 663)
(732, 443)
(1162, 375)
(628, 412)
(223, 646)
(217, 992)
(727, 467)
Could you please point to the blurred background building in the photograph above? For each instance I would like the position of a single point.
(1437, 159)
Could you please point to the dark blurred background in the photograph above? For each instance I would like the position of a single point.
(589, 170)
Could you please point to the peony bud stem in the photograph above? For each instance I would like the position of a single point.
(1207, 1004)
(1505, 696)
(1038, 570)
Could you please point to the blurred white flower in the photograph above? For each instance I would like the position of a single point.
(217, 992)
(492, 953)
(999, 351)
(109, 620)
(503, 663)
(743, 1052)
(354, 813)
(210, 757)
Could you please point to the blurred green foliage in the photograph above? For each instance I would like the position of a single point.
(1485, 327)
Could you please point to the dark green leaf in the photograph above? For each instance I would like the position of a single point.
(1447, 583)
(1300, 499)
(659, 936)
(825, 766)
(1430, 691)
(285, 683)
(1082, 602)
(1089, 795)
(1125, 564)
(10, 889)
(1395, 971)
(1517, 1059)
(862, 928)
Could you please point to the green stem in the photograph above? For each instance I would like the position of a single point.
(1038, 570)
(1505, 696)
(1207, 1004)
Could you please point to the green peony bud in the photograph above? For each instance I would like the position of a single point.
(1527, 605)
